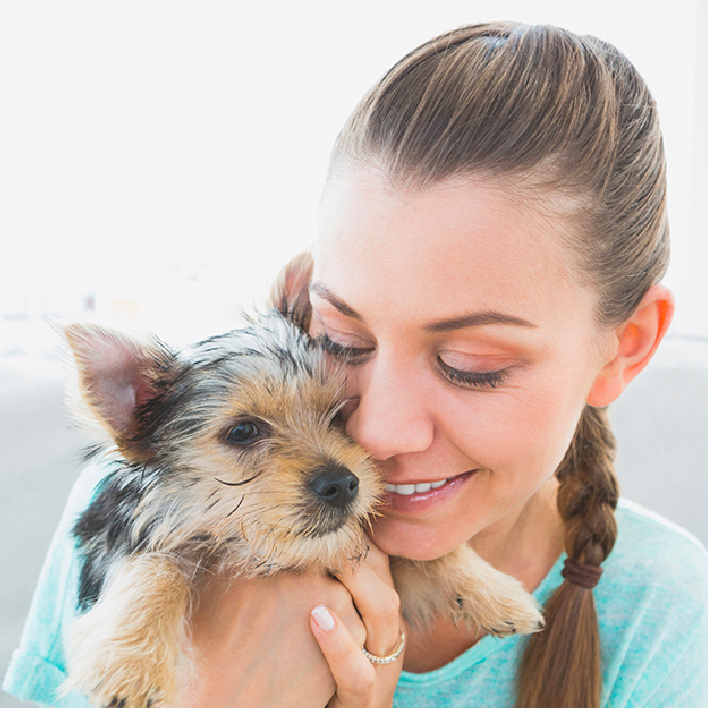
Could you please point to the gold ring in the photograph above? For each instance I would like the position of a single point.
(386, 659)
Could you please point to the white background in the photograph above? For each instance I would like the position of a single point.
(166, 158)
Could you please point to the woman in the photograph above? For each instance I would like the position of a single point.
(493, 236)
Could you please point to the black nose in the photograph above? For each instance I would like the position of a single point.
(335, 485)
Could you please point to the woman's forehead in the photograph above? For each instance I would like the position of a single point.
(452, 230)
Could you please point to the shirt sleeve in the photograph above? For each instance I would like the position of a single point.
(686, 686)
(675, 671)
(38, 666)
(662, 656)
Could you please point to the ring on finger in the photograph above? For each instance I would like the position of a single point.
(390, 657)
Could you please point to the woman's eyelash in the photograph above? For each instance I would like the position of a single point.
(486, 379)
(349, 354)
(471, 379)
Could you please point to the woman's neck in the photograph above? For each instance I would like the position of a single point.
(525, 545)
(527, 542)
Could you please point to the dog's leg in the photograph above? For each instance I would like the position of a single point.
(466, 588)
(123, 651)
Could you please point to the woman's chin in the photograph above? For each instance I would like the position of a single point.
(396, 538)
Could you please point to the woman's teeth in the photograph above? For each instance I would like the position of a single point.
(408, 489)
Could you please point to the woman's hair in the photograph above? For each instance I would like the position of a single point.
(569, 121)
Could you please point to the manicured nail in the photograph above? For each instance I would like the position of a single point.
(323, 617)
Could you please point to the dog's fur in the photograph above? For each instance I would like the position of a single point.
(228, 454)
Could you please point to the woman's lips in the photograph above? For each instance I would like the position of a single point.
(409, 497)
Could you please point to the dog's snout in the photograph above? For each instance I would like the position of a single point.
(335, 485)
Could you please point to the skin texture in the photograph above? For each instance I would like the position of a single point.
(414, 286)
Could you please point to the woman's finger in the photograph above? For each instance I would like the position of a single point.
(371, 587)
(358, 681)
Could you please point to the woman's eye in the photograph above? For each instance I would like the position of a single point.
(473, 379)
(350, 355)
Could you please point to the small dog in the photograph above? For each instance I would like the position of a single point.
(228, 455)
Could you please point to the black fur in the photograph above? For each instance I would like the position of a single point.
(104, 530)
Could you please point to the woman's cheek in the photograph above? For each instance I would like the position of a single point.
(545, 428)
(526, 433)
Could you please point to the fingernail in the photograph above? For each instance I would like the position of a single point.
(324, 618)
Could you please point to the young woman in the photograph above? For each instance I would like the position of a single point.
(492, 243)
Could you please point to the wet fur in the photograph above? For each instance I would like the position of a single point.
(181, 499)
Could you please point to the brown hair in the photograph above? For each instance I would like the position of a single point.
(570, 117)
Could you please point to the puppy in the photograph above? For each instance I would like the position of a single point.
(228, 454)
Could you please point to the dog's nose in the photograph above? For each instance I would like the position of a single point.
(335, 485)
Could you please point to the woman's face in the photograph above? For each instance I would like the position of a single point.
(471, 346)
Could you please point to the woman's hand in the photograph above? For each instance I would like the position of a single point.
(253, 643)
(253, 647)
(361, 684)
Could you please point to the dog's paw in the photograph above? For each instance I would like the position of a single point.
(113, 672)
(128, 686)
(118, 702)
(106, 693)
(507, 611)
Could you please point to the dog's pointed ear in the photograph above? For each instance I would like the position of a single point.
(290, 294)
(118, 373)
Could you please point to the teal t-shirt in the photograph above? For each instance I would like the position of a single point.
(652, 605)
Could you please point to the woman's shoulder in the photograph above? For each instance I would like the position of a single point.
(652, 548)
(652, 604)
(654, 560)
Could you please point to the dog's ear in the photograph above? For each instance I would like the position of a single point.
(118, 373)
(290, 294)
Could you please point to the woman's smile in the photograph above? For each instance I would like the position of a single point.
(421, 497)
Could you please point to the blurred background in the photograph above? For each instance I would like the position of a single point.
(160, 161)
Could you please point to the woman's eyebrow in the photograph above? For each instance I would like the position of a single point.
(477, 319)
(325, 293)
(472, 319)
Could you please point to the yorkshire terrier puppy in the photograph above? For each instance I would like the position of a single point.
(228, 454)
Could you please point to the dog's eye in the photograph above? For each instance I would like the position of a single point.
(242, 433)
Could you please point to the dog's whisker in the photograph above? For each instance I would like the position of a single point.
(238, 484)
(236, 508)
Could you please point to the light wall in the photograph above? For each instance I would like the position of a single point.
(166, 157)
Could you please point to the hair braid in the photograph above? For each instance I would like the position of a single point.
(588, 493)
(570, 644)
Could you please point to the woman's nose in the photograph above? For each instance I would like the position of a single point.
(391, 416)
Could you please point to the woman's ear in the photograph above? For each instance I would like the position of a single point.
(636, 342)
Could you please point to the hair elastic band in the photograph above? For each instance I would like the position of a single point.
(585, 575)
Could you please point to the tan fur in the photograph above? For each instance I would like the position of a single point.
(131, 641)
(466, 588)
(254, 506)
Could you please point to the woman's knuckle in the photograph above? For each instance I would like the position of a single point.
(339, 599)
(343, 654)
(390, 606)
(366, 683)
